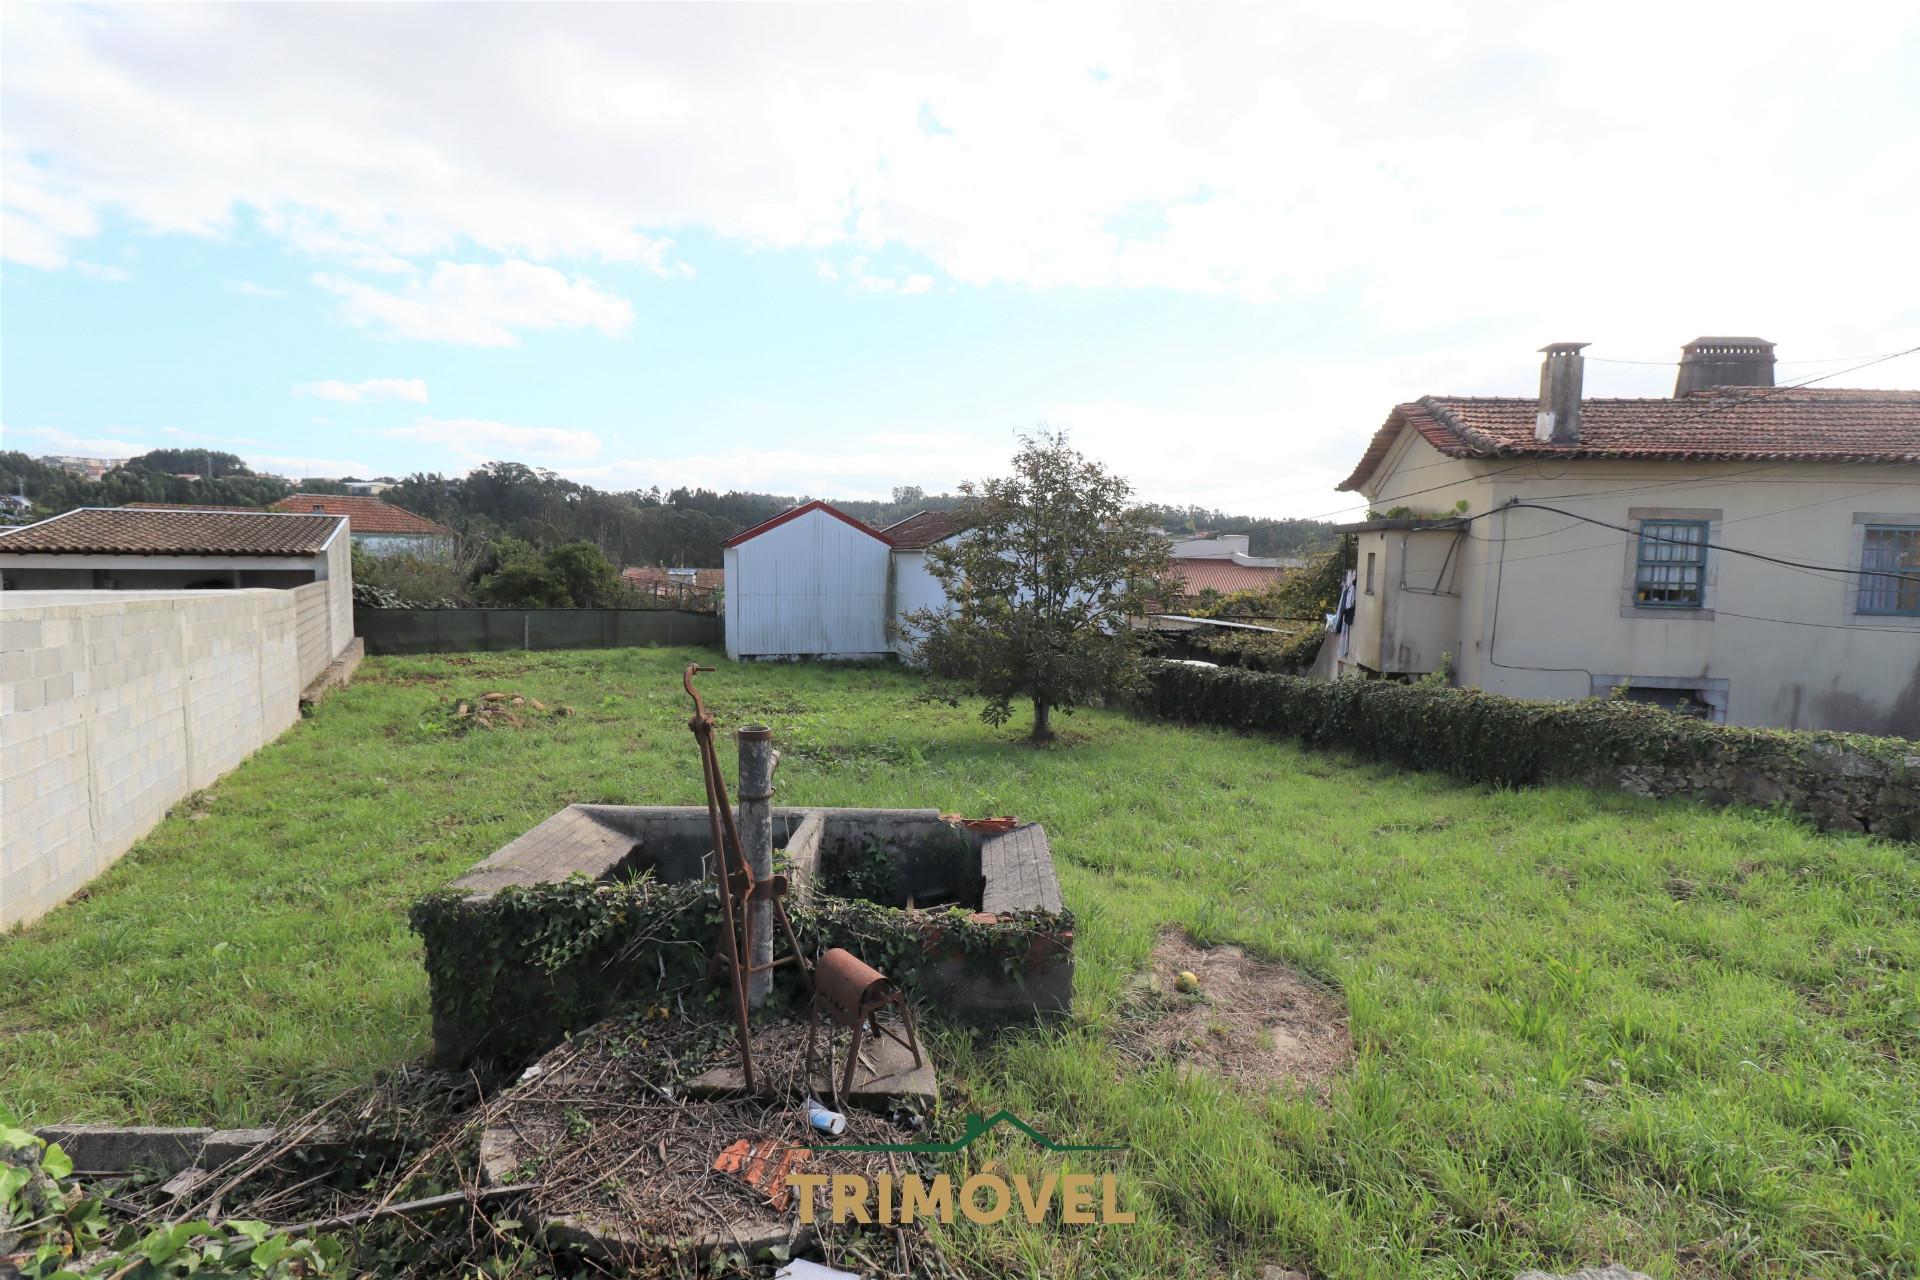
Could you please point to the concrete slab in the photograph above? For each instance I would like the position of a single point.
(890, 1080)
(224, 1146)
(751, 1231)
(109, 1148)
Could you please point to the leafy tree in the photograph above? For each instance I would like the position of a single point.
(209, 463)
(1043, 589)
(519, 575)
(51, 490)
(522, 579)
(589, 578)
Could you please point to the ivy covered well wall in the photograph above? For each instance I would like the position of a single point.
(512, 972)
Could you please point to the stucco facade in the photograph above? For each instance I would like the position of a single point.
(1540, 604)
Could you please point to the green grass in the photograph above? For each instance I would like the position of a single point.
(1588, 1027)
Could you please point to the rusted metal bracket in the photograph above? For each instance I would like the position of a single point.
(734, 879)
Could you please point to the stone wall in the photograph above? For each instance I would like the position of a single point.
(113, 706)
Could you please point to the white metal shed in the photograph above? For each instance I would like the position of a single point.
(809, 583)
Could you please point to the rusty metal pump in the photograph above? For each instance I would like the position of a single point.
(739, 890)
(852, 993)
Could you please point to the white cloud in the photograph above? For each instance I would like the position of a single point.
(58, 441)
(479, 440)
(414, 389)
(481, 305)
(864, 278)
(1502, 170)
(102, 271)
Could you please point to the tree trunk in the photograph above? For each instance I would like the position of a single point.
(1042, 729)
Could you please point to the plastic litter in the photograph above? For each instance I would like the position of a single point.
(831, 1123)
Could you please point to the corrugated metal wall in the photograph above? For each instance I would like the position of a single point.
(812, 587)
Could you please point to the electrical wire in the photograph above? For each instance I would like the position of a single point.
(1723, 407)
(1716, 546)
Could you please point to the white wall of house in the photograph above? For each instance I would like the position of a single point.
(1555, 618)
(425, 546)
(914, 587)
(113, 707)
(810, 587)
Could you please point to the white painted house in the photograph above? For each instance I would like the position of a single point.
(911, 585)
(1747, 552)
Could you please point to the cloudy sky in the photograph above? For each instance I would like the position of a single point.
(828, 250)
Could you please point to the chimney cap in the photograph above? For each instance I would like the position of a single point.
(1754, 345)
(1565, 348)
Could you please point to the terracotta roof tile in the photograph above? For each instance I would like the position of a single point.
(924, 529)
(120, 531)
(1721, 424)
(369, 515)
(1223, 576)
(657, 576)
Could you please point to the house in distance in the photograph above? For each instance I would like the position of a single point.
(379, 528)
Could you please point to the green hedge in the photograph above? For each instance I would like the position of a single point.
(1844, 781)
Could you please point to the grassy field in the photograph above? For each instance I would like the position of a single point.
(1588, 1027)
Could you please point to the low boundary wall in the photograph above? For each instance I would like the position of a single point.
(507, 630)
(114, 706)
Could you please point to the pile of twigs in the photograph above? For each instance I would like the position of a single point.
(602, 1133)
(604, 1141)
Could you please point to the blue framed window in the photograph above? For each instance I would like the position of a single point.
(1890, 570)
(1670, 568)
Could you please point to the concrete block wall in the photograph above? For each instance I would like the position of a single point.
(114, 706)
(339, 582)
(314, 628)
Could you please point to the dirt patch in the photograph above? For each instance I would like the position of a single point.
(1248, 1020)
(500, 710)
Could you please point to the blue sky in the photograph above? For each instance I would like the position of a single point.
(831, 250)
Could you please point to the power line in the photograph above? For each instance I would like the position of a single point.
(1722, 407)
(1717, 546)
(1825, 626)
(1670, 364)
(1770, 392)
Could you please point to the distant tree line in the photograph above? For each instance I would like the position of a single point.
(223, 480)
(1265, 537)
(544, 511)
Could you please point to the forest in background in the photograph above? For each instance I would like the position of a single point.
(681, 527)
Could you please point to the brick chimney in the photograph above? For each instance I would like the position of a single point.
(1724, 362)
(1558, 421)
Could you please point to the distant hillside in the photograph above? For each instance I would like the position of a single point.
(636, 527)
